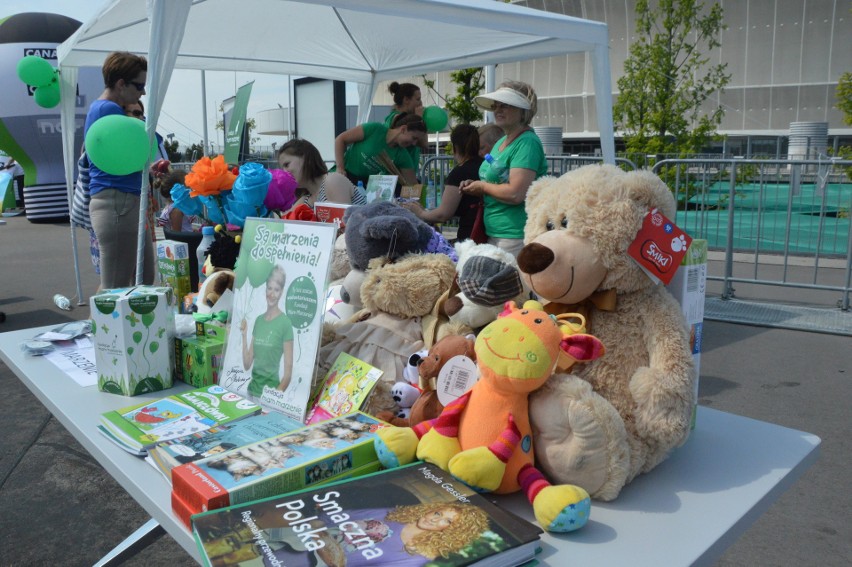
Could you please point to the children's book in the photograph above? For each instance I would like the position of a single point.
(347, 384)
(140, 427)
(380, 187)
(292, 461)
(167, 455)
(413, 515)
(276, 323)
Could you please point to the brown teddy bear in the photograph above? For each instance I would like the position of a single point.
(395, 296)
(621, 415)
(427, 405)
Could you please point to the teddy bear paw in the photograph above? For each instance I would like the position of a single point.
(395, 446)
(437, 449)
(478, 468)
(579, 437)
(562, 508)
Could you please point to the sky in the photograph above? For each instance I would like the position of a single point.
(182, 113)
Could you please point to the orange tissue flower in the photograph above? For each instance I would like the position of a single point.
(209, 177)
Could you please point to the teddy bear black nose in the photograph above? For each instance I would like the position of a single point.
(535, 258)
(344, 295)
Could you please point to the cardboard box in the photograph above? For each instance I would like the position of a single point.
(133, 333)
(326, 451)
(173, 264)
(199, 358)
(689, 287)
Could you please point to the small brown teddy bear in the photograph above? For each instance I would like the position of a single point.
(427, 405)
(383, 334)
(620, 415)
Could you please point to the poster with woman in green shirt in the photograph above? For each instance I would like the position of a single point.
(276, 322)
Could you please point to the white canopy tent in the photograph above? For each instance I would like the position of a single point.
(363, 41)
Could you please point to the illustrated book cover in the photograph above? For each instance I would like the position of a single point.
(346, 386)
(276, 323)
(169, 454)
(288, 462)
(137, 428)
(414, 515)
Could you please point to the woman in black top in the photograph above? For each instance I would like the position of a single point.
(465, 140)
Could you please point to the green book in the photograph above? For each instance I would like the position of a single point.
(138, 428)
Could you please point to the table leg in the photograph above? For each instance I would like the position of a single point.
(135, 542)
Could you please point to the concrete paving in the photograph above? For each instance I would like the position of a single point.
(59, 507)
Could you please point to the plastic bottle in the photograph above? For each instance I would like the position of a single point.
(500, 171)
(431, 196)
(207, 239)
(360, 188)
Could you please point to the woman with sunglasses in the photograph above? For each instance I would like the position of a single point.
(115, 199)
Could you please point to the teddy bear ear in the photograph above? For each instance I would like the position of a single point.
(538, 186)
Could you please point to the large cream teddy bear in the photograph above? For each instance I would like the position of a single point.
(622, 414)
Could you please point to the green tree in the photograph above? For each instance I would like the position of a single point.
(172, 149)
(844, 103)
(460, 107)
(194, 152)
(668, 78)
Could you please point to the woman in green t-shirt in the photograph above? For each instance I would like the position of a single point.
(518, 161)
(406, 98)
(360, 151)
(272, 338)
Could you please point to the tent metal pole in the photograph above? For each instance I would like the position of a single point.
(204, 105)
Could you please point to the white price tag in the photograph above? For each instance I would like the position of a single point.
(457, 376)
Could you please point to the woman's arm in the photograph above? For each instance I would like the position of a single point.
(248, 349)
(338, 189)
(176, 219)
(450, 199)
(288, 366)
(343, 140)
(408, 177)
(514, 192)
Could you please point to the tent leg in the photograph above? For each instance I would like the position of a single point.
(135, 542)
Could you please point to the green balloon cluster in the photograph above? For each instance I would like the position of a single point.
(39, 73)
(118, 144)
(435, 118)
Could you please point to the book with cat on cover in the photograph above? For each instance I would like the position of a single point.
(169, 454)
(140, 427)
(413, 515)
(291, 461)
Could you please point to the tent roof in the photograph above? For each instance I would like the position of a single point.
(352, 40)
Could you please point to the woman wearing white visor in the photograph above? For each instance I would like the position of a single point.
(518, 160)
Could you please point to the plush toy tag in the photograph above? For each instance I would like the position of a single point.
(659, 247)
(457, 376)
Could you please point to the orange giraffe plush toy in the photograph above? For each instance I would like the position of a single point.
(484, 437)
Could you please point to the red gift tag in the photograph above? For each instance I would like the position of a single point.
(659, 247)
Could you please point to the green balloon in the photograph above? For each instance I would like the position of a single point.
(258, 271)
(435, 118)
(35, 71)
(240, 273)
(47, 96)
(118, 144)
(302, 303)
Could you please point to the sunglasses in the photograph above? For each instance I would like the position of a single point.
(139, 86)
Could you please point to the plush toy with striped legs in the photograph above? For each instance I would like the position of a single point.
(484, 437)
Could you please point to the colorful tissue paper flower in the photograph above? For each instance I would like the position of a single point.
(237, 211)
(282, 190)
(252, 183)
(183, 202)
(214, 209)
(303, 212)
(209, 177)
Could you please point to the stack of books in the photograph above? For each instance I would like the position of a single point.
(138, 428)
(319, 453)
